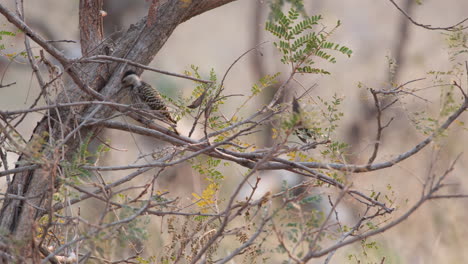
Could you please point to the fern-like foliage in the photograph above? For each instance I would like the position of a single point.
(277, 5)
(300, 44)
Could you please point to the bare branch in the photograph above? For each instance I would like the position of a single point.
(19, 169)
(7, 85)
(139, 65)
(449, 28)
(358, 237)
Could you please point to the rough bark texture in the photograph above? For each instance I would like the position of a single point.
(91, 28)
(140, 44)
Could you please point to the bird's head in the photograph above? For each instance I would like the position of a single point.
(130, 80)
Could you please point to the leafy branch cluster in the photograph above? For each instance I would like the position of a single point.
(300, 46)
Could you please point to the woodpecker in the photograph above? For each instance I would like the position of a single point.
(302, 132)
(144, 94)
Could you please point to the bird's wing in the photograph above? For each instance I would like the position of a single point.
(153, 99)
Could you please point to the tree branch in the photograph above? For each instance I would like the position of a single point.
(10, 16)
(91, 25)
(449, 28)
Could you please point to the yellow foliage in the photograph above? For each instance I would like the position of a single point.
(291, 155)
(275, 133)
(207, 198)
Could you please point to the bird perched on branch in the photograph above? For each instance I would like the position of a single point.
(144, 94)
(301, 131)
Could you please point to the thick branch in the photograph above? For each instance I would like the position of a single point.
(91, 28)
(206, 5)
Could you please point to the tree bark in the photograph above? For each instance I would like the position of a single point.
(91, 27)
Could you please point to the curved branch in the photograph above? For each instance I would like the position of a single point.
(449, 28)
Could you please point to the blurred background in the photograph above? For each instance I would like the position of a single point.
(379, 37)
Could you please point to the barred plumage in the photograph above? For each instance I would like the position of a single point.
(144, 94)
(302, 132)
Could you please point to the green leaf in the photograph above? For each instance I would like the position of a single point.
(308, 69)
(7, 33)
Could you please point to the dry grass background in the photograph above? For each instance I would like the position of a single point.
(434, 234)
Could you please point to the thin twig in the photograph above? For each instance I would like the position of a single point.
(139, 65)
(449, 28)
